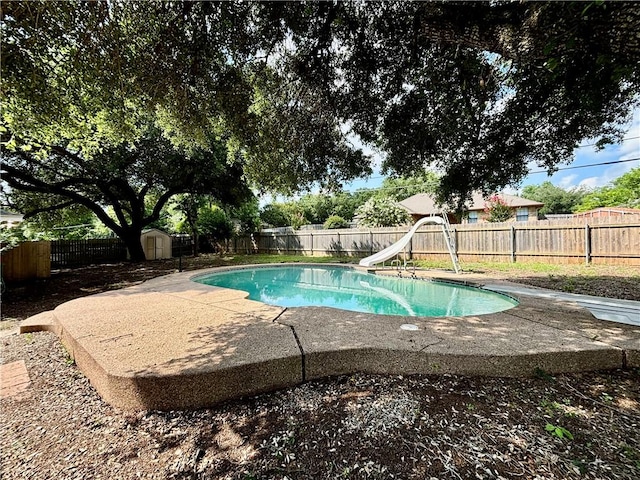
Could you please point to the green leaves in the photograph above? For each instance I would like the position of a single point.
(497, 210)
(558, 431)
(624, 191)
(382, 212)
(555, 199)
(284, 85)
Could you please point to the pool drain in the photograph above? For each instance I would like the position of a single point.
(409, 326)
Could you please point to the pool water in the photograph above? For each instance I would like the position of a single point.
(349, 289)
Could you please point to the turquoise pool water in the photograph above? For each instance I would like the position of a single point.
(349, 289)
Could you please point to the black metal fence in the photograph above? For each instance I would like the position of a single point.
(181, 245)
(75, 253)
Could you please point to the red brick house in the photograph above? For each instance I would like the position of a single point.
(422, 205)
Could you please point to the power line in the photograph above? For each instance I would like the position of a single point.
(589, 165)
(530, 173)
(592, 144)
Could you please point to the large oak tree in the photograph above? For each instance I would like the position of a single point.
(136, 181)
(475, 89)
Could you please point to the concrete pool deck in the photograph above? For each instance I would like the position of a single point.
(171, 343)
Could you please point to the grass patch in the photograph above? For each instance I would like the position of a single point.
(262, 258)
(536, 268)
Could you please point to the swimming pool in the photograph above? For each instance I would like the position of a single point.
(349, 289)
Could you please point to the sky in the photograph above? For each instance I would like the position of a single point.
(574, 175)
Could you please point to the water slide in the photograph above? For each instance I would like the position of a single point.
(394, 249)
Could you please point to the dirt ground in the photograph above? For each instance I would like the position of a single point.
(360, 426)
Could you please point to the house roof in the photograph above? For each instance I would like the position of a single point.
(423, 203)
(5, 214)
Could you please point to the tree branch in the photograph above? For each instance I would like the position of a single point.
(51, 208)
(21, 180)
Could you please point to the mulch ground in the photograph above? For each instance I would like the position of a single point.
(360, 426)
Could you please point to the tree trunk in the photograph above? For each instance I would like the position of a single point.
(196, 242)
(134, 245)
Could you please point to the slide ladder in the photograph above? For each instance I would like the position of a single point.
(451, 246)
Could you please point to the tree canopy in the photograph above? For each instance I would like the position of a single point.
(89, 73)
(136, 181)
(556, 199)
(476, 90)
(624, 191)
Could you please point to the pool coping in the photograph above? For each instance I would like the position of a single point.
(171, 343)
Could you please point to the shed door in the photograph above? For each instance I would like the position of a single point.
(150, 249)
(159, 250)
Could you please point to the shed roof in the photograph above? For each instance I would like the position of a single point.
(154, 231)
(423, 203)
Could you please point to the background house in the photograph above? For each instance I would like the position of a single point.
(423, 205)
(9, 219)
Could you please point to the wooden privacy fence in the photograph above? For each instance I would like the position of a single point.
(26, 261)
(564, 241)
(75, 253)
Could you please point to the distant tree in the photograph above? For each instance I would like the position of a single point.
(246, 217)
(295, 214)
(382, 212)
(11, 236)
(624, 191)
(275, 215)
(346, 203)
(555, 199)
(69, 223)
(497, 210)
(214, 224)
(335, 221)
(317, 207)
(189, 204)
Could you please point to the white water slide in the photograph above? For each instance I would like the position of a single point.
(396, 248)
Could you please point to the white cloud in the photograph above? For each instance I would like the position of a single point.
(568, 181)
(590, 182)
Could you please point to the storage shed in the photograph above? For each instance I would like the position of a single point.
(156, 244)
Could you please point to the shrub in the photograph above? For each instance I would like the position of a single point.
(382, 212)
(335, 221)
(214, 224)
(497, 209)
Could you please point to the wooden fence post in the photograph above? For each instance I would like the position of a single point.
(587, 243)
(513, 244)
